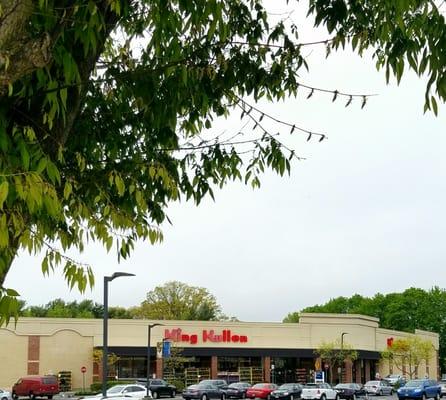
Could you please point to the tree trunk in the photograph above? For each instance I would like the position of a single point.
(20, 54)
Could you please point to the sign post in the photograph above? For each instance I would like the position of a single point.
(83, 370)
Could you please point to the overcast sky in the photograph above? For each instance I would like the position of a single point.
(363, 214)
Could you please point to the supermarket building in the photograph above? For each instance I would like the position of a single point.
(279, 352)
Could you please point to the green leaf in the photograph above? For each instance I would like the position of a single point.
(4, 189)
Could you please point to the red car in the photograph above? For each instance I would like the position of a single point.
(261, 391)
(36, 386)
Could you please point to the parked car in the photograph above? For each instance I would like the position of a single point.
(261, 391)
(132, 390)
(220, 383)
(5, 395)
(237, 390)
(36, 386)
(395, 380)
(159, 387)
(378, 388)
(350, 391)
(419, 389)
(288, 391)
(443, 388)
(203, 391)
(322, 391)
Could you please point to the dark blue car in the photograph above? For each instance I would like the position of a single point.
(420, 389)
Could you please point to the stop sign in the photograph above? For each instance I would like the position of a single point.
(83, 370)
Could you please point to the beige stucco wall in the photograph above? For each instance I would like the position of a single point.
(13, 356)
(66, 350)
(67, 344)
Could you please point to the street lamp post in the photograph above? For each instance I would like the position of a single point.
(107, 279)
(149, 327)
(342, 348)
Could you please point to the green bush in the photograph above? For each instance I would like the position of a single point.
(96, 387)
(178, 383)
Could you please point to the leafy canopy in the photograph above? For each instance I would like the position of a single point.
(179, 301)
(103, 107)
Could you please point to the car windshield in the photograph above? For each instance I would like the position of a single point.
(414, 383)
(287, 386)
(116, 389)
(312, 385)
(372, 383)
(259, 386)
(343, 386)
(236, 385)
(193, 387)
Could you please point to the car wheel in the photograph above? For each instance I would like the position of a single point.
(32, 396)
(292, 397)
(50, 397)
(14, 396)
(243, 395)
(223, 396)
(380, 392)
(423, 397)
(391, 392)
(204, 397)
(155, 395)
(173, 393)
(354, 397)
(337, 397)
(322, 397)
(4, 398)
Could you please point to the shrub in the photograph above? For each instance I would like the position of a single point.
(178, 383)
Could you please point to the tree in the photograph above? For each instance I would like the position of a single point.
(176, 300)
(407, 354)
(112, 359)
(292, 317)
(104, 104)
(335, 354)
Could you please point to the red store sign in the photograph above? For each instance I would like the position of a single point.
(225, 336)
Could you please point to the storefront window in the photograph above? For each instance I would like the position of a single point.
(132, 367)
(233, 364)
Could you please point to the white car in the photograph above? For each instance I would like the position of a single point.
(442, 384)
(5, 395)
(379, 388)
(123, 391)
(320, 391)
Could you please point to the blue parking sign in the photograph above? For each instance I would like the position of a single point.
(166, 348)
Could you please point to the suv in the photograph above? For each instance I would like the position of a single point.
(420, 389)
(36, 386)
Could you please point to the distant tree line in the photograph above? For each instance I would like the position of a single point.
(173, 300)
(412, 309)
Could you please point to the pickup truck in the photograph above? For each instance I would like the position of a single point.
(319, 391)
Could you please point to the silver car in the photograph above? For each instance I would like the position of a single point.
(378, 388)
(5, 395)
(443, 388)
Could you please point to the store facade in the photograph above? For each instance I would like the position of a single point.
(231, 350)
